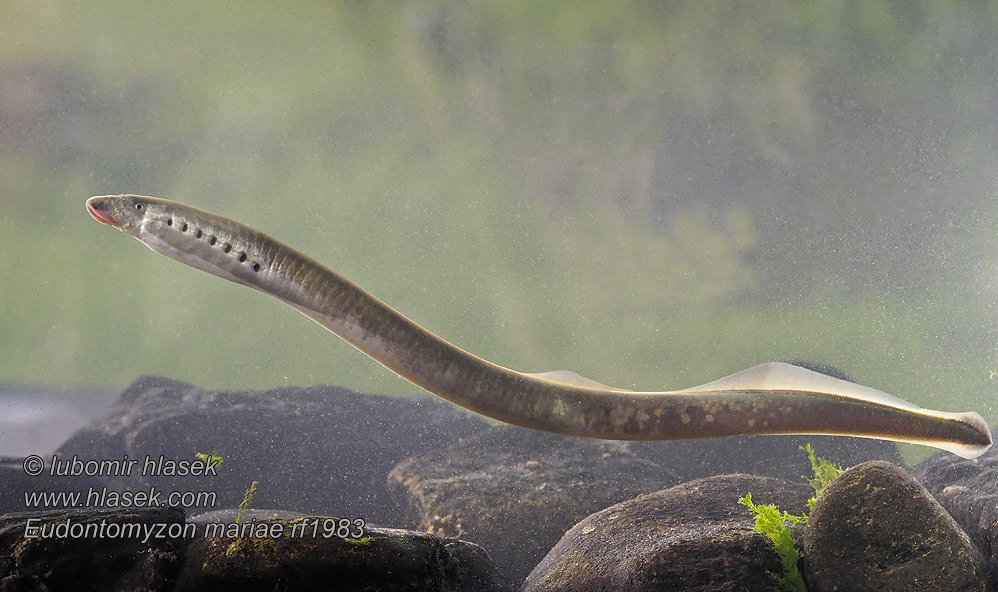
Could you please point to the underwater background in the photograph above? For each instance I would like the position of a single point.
(653, 195)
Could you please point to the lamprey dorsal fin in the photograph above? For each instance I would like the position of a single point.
(569, 378)
(780, 376)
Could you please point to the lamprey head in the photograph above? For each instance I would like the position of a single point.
(124, 212)
(195, 237)
(152, 219)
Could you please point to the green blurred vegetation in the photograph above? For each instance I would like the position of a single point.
(652, 194)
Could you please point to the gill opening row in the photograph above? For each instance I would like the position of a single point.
(226, 247)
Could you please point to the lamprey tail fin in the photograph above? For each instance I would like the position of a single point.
(967, 449)
(780, 376)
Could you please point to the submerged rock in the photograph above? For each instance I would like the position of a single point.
(693, 537)
(968, 489)
(150, 550)
(386, 560)
(327, 451)
(112, 550)
(875, 528)
(516, 491)
(321, 449)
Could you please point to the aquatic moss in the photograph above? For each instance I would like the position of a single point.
(210, 458)
(777, 524)
(824, 470)
(773, 523)
(247, 500)
(246, 546)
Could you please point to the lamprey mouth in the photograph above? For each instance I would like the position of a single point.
(97, 213)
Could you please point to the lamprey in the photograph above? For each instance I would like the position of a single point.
(771, 398)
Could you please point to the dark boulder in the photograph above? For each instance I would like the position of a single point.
(319, 449)
(150, 550)
(318, 558)
(694, 537)
(968, 489)
(99, 550)
(875, 529)
(516, 491)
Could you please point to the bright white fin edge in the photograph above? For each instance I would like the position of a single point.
(569, 378)
(780, 376)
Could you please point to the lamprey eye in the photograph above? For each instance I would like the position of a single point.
(139, 205)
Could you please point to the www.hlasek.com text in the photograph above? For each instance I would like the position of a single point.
(106, 498)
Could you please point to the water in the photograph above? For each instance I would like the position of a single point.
(37, 421)
(653, 200)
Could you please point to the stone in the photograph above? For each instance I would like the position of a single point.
(112, 550)
(322, 449)
(516, 491)
(875, 528)
(156, 550)
(317, 559)
(968, 489)
(694, 537)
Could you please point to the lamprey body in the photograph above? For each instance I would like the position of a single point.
(771, 398)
